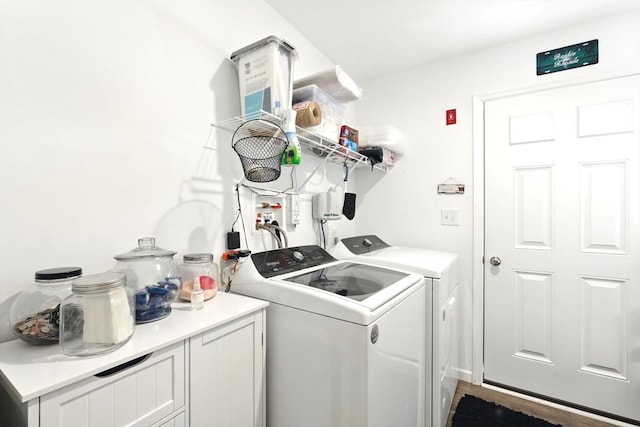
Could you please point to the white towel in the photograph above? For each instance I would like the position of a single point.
(385, 136)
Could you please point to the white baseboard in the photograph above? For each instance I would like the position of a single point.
(464, 375)
(558, 406)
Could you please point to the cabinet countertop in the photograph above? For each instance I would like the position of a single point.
(32, 371)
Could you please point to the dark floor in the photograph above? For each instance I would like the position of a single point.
(548, 413)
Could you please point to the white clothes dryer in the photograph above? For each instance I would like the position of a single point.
(344, 339)
(440, 270)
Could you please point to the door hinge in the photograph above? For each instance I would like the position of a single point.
(262, 339)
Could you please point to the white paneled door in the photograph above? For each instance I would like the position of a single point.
(562, 244)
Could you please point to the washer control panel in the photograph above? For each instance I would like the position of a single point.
(364, 244)
(287, 260)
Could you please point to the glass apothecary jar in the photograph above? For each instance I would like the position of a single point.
(153, 275)
(98, 316)
(199, 265)
(34, 314)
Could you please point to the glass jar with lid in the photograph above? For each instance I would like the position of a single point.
(35, 312)
(153, 275)
(98, 316)
(199, 265)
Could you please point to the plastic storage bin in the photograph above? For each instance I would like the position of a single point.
(98, 317)
(265, 76)
(35, 313)
(332, 111)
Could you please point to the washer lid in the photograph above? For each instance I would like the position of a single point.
(350, 291)
(355, 281)
(308, 278)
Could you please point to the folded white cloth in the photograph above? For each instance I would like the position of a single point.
(385, 136)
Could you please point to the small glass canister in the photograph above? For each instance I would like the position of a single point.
(35, 313)
(199, 265)
(98, 317)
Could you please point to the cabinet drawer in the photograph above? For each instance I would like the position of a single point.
(138, 395)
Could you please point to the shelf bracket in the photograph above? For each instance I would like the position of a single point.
(320, 164)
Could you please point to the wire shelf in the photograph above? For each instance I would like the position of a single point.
(310, 142)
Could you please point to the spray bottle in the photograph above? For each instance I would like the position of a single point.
(291, 155)
(197, 295)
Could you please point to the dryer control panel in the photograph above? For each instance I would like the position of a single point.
(364, 244)
(287, 260)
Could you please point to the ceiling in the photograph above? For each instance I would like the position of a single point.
(371, 38)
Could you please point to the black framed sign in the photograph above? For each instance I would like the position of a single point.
(568, 57)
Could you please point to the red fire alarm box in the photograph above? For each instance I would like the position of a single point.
(451, 117)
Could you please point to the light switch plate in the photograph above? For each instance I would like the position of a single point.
(449, 217)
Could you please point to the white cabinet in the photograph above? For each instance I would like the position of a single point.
(227, 375)
(138, 395)
(194, 368)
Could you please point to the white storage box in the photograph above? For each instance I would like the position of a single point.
(332, 111)
(265, 76)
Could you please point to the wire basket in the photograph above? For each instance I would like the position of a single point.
(260, 144)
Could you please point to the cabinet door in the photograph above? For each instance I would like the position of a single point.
(139, 395)
(177, 421)
(227, 375)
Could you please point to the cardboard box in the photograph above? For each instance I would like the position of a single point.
(349, 138)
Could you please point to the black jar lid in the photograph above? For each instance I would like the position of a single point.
(58, 273)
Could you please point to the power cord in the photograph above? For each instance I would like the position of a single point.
(231, 268)
(321, 223)
(239, 215)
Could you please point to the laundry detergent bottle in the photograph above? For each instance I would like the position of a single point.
(291, 155)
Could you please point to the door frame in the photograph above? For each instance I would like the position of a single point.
(478, 143)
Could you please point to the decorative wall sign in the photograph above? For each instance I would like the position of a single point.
(451, 186)
(565, 58)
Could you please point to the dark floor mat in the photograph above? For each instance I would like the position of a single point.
(475, 412)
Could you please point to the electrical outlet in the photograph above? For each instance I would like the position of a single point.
(293, 209)
(334, 237)
(449, 217)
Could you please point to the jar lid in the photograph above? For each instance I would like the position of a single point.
(99, 282)
(58, 273)
(200, 257)
(146, 249)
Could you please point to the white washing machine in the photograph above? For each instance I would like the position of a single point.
(440, 270)
(345, 340)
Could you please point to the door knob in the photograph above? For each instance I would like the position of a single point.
(494, 260)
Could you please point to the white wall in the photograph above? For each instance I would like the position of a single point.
(403, 206)
(105, 108)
